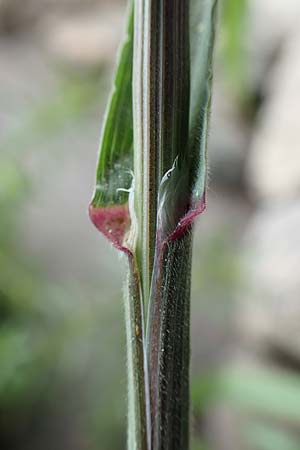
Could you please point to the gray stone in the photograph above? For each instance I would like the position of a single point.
(270, 308)
(14, 16)
(273, 170)
(87, 40)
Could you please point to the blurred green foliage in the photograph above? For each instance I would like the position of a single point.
(233, 35)
(266, 437)
(267, 400)
(51, 337)
(269, 392)
(73, 99)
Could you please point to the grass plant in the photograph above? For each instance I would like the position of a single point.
(150, 186)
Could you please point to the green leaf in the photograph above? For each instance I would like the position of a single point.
(272, 393)
(109, 209)
(182, 192)
(233, 25)
(262, 436)
(203, 23)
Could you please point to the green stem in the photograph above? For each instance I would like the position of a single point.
(161, 89)
(161, 77)
(138, 408)
(156, 127)
(146, 132)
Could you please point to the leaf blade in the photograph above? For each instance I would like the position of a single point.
(109, 209)
(203, 24)
(116, 145)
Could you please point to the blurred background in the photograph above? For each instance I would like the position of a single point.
(62, 340)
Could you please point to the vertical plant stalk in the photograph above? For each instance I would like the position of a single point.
(181, 197)
(146, 132)
(151, 183)
(169, 345)
(161, 117)
(137, 399)
(161, 112)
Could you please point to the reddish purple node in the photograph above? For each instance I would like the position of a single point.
(113, 222)
(188, 219)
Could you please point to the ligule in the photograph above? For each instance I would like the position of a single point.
(151, 183)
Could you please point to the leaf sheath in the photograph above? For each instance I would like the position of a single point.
(169, 345)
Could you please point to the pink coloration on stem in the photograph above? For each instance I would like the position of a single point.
(188, 219)
(113, 222)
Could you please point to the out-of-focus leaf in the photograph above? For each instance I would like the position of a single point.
(18, 369)
(233, 39)
(268, 392)
(266, 437)
(196, 444)
(13, 186)
(12, 183)
(68, 104)
(265, 391)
